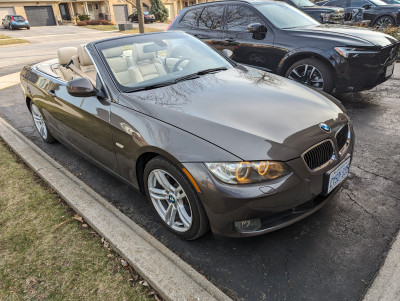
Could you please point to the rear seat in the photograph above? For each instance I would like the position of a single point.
(64, 57)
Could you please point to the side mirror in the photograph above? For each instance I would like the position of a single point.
(366, 6)
(256, 28)
(227, 52)
(81, 87)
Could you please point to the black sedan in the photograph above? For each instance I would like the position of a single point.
(211, 143)
(376, 11)
(323, 14)
(148, 18)
(279, 38)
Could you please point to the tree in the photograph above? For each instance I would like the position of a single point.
(139, 9)
(159, 10)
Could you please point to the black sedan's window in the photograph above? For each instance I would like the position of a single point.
(211, 17)
(239, 16)
(189, 20)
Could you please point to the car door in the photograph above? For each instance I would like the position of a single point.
(209, 25)
(354, 5)
(6, 21)
(248, 48)
(83, 123)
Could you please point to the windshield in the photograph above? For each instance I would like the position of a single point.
(303, 3)
(293, 17)
(378, 2)
(18, 18)
(153, 60)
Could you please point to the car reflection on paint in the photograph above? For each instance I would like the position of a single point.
(213, 144)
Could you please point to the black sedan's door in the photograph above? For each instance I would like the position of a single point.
(248, 48)
(83, 123)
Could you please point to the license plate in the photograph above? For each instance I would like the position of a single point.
(338, 175)
(389, 71)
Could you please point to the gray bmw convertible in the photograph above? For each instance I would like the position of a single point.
(212, 144)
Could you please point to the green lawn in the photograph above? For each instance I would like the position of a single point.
(46, 252)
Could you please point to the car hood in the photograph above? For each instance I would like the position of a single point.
(346, 35)
(322, 9)
(252, 114)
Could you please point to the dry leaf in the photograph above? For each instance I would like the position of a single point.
(144, 283)
(124, 263)
(78, 218)
(84, 225)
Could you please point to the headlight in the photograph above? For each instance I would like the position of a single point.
(248, 172)
(325, 17)
(349, 52)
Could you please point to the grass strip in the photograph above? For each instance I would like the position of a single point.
(48, 252)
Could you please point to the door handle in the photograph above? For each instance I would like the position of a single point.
(52, 93)
(230, 40)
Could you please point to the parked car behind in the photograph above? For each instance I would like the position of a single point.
(326, 14)
(15, 21)
(210, 142)
(377, 11)
(280, 38)
(148, 18)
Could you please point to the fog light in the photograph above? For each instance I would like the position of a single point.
(248, 225)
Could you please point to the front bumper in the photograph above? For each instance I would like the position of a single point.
(277, 203)
(359, 74)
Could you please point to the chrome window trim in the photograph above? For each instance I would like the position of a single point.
(327, 163)
(347, 143)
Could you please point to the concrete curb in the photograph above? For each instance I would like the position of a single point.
(386, 286)
(169, 275)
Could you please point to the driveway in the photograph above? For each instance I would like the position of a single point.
(332, 255)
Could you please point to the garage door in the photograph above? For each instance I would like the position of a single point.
(40, 15)
(120, 13)
(4, 11)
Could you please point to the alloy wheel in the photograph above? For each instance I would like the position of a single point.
(39, 121)
(170, 200)
(309, 75)
(384, 22)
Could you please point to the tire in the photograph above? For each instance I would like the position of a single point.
(313, 77)
(189, 219)
(28, 27)
(40, 124)
(384, 21)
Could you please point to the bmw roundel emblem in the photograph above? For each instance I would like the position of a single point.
(325, 127)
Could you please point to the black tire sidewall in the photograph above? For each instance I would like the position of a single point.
(199, 217)
(326, 72)
(389, 17)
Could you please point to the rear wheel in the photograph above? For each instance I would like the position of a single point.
(40, 124)
(174, 199)
(312, 72)
(28, 27)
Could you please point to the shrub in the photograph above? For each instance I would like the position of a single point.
(93, 22)
(83, 17)
(81, 23)
(105, 22)
(159, 10)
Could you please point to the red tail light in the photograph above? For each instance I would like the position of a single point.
(171, 23)
(12, 18)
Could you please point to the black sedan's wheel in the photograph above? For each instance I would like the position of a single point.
(40, 124)
(384, 21)
(312, 72)
(174, 199)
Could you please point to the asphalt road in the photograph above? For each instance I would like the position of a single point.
(332, 255)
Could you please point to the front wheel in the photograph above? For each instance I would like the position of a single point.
(40, 124)
(384, 21)
(174, 199)
(312, 72)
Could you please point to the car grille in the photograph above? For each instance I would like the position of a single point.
(341, 138)
(388, 54)
(319, 155)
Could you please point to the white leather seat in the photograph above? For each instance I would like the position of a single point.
(86, 64)
(119, 65)
(146, 65)
(65, 55)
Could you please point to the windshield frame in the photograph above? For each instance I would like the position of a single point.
(124, 89)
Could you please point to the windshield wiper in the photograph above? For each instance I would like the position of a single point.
(164, 84)
(211, 70)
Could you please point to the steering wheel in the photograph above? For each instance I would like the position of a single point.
(180, 61)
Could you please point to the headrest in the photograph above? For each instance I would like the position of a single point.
(84, 58)
(113, 52)
(139, 55)
(65, 54)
